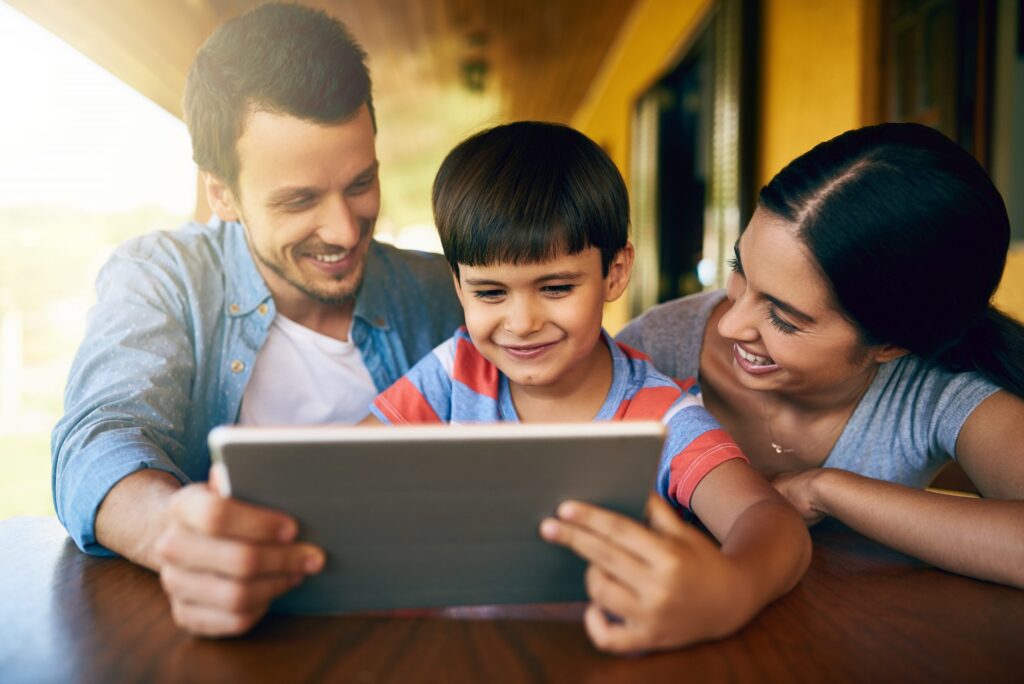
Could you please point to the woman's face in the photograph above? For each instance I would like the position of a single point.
(787, 333)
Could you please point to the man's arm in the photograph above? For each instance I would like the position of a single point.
(220, 561)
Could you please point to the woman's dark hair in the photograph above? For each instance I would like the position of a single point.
(912, 236)
(527, 192)
(281, 58)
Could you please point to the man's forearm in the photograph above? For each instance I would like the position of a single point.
(132, 515)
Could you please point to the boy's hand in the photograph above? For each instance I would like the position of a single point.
(223, 561)
(800, 489)
(650, 588)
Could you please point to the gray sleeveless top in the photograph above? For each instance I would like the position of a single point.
(904, 428)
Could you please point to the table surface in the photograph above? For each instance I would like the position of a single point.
(862, 613)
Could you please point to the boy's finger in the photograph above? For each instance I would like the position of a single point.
(608, 635)
(616, 528)
(611, 557)
(611, 594)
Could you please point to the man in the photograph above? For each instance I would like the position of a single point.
(282, 310)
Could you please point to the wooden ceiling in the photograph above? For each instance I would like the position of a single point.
(441, 68)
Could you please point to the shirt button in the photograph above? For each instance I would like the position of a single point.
(237, 366)
(234, 308)
(263, 309)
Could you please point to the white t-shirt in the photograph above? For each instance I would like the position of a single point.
(302, 377)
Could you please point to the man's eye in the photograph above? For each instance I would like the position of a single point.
(298, 202)
(558, 290)
(489, 295)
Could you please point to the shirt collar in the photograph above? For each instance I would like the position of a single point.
(374, 294)
(246, 288)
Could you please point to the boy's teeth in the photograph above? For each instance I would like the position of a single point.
(754, 358)
(329, 258)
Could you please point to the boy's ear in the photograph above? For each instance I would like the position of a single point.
(220, 197)
(619, 270)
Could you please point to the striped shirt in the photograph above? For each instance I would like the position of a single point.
(456, 384)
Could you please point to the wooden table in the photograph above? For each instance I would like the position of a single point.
(863, 613)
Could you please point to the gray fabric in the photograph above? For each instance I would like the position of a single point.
(905, 427)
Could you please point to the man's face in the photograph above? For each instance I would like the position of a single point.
(308, 195)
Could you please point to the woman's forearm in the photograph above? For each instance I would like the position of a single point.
(982, 538)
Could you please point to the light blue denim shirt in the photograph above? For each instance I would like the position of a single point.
(179, 321)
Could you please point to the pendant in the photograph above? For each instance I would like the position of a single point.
(779, 449)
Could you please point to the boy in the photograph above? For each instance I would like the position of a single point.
(533, 218)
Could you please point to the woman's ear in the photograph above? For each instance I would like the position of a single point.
(619, 270)
(220, 197)
(888, 352)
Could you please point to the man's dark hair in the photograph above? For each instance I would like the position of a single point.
(280, 58)
(528, 192)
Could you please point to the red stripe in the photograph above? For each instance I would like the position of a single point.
(700, 457)
(685, 383)
(473, 370)
(403, 404)
(650, 403)
(633, 353)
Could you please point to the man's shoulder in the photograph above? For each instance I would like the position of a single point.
(411, 265)
(191, 242)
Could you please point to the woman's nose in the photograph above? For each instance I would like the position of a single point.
(739, 322)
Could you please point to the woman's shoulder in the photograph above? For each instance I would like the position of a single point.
(672, 333)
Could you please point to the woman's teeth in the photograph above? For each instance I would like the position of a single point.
(753, 358)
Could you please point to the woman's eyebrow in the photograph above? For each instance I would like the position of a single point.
(779, 303)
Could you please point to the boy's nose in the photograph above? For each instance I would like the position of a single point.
(522, 319)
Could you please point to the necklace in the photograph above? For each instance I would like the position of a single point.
(780, 449)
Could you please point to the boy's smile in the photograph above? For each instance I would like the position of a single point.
(540, 323)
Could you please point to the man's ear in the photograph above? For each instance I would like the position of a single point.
(619, 271)
(458, 288)
(888, 352)
(221, 198)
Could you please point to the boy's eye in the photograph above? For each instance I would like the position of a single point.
(558, 290)
(489, 295)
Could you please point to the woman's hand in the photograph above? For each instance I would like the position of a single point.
(660, 587)
(799, 487)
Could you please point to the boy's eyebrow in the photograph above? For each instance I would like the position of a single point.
(560, 275)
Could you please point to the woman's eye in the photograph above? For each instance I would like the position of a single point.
(734, 266)
(781, 325)
(489, 295)
(558, 290)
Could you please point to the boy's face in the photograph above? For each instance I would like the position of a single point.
(308, 196)
(540, 323)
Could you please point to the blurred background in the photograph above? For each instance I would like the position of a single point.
(699, 102)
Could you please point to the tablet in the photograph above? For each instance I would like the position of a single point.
(429, 516)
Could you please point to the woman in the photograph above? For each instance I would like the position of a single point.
(854, 351)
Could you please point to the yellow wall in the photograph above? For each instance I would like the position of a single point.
(816, 76)
(650, 41)
(811, 78)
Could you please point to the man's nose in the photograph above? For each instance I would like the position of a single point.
(340, 226)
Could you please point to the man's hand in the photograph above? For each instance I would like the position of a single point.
(650, 588)
(222, 561)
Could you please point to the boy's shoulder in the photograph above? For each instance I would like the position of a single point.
(649, 394)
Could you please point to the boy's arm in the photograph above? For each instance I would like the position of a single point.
(668, 584)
